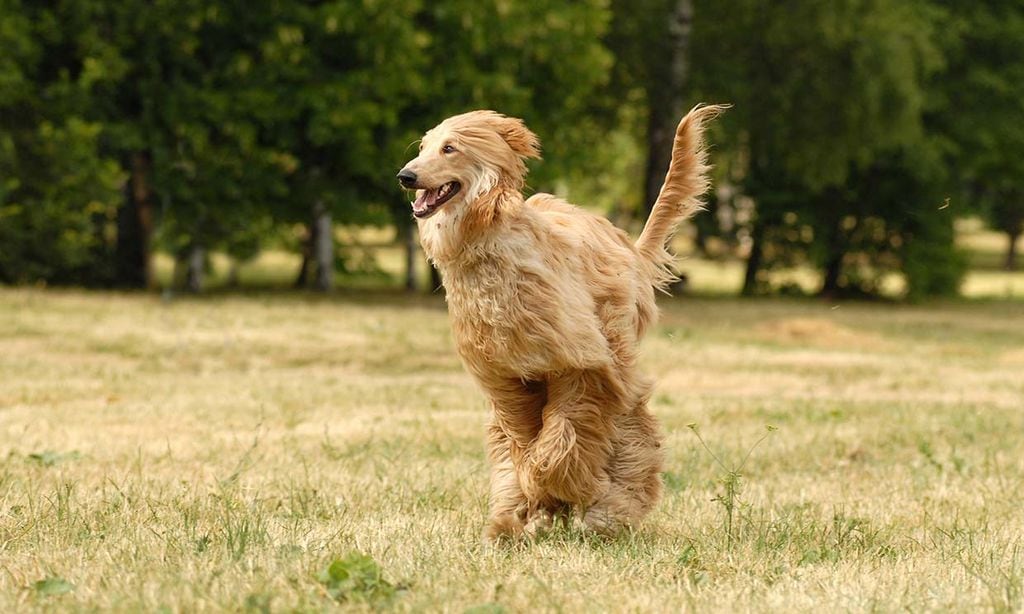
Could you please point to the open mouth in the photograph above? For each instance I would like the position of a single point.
(431, 200)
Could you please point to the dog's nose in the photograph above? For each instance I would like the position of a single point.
(407, 178)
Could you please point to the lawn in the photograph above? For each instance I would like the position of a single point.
(219, 454)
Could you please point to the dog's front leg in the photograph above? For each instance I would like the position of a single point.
(516, 422)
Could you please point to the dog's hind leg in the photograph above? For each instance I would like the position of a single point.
(568, 459)
(634, 472)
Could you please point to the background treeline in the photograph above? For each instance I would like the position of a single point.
(860, 128)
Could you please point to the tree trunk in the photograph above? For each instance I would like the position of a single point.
(754, 260)
(323, 247)
(836, 252)
(307, 250)
(135, 227)
(833, 269)
(1011, 252)
(196, 269)
(234, 273)
(666, 101)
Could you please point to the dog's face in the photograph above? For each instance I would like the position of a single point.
(466, 156)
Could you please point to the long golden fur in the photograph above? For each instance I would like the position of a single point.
(548, 304)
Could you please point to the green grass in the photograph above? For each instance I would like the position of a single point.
(290, 452)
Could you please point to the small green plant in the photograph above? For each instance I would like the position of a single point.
(54, 585)
(49, 458)
(731, 480)
(357, 577)
(486, 608)
(257, 603)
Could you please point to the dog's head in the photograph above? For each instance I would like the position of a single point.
(466, 156)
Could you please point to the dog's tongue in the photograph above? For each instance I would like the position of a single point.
(425, 200)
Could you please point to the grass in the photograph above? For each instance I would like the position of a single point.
(294, 453)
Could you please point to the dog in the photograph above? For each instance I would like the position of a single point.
(547, 304)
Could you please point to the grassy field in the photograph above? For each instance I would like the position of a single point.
(220, 454)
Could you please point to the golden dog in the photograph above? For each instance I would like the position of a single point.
(548, 304)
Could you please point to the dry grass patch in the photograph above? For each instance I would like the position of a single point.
(295, 453)
(818, 332)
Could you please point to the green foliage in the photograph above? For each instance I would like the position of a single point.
(58, 192)
(325, 103)
(982, 96)
(818, 88)
(51, 586)
(254, 112)
(357, 577)
(852, 121)
(831, 101)
(58, 207)
(932, 264)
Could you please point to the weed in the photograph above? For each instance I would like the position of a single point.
(357, 577)
(731, 479)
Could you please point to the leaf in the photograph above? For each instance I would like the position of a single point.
(357, 577)
(54, 585)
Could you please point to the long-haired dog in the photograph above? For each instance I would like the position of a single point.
(548, 304)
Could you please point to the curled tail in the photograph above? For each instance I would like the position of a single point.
(679, 198)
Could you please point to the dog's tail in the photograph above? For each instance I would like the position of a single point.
(685, 183)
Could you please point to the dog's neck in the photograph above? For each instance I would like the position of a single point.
(459, 236)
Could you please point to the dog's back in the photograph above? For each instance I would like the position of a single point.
(608, 266)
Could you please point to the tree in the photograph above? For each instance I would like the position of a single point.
(185, 114)
(651, 43)
(982, 95)
(335, 111)
(1007, 214)
(158, 88)
(825, 94)
(58, 191)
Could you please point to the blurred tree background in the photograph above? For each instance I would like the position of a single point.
(186, 128)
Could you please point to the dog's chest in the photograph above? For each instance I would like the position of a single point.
(482, 300)
(490, 324)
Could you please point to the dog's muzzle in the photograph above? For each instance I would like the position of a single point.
(407, 178)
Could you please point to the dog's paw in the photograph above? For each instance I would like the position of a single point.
(502, 528)
(599, 521)
(539, 523)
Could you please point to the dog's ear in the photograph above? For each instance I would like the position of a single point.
(520, 138)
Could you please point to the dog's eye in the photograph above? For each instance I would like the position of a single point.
(448, 149)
